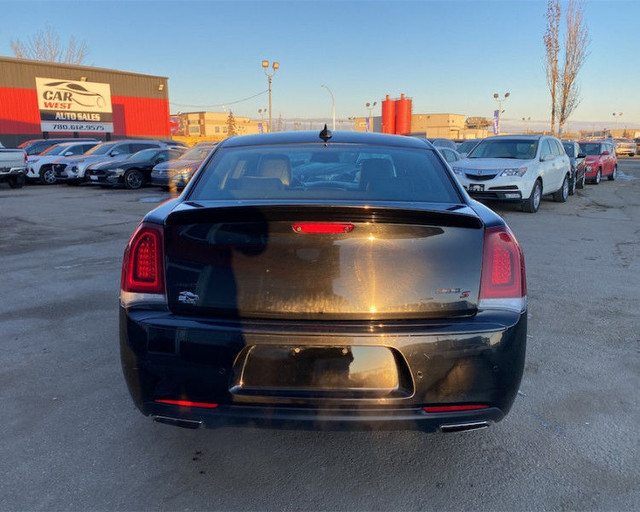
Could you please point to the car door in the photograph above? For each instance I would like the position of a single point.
(545, 165)
(562, 163)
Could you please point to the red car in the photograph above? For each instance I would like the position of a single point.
(600, 160)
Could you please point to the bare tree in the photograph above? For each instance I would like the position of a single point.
(551, 41)
(45, 45)
(575, 52)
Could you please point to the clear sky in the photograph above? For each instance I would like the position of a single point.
(449, 56)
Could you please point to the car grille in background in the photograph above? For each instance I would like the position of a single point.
(481, 178)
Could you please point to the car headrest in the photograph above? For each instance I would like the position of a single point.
(275, 166)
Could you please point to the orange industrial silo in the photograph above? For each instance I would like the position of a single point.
(388, 115)
(403, 115)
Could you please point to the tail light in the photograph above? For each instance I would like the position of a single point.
(503, 284)
(143, 266)
(25, 158)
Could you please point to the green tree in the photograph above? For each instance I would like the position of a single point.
(231, 125)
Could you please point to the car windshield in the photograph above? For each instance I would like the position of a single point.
(467, 146)
(569, 150)
(589, 148)
(196, 153)
(335, 172)
(521, 149)
(100, 149)
(144, 155)
(54, 150)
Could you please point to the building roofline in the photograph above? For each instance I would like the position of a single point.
(14, 60)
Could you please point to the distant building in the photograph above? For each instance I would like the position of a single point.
(214, 124)
(448, 126)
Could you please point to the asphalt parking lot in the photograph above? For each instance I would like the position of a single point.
(72, 439)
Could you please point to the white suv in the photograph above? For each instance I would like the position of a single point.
(516, 168)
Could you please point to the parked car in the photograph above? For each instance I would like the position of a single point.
(176, 143)
(134, 172)
(600, 160)
(450, 155)
(12, 167)
(465, 147)
(516, 168)
(443, 143)
(625, 147)
(578, 165)
(72, 169)
(40, 167)
(175, 174)
(37, 146)
(380, 297)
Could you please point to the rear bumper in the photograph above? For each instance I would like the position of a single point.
(9, 172)
(471, 361)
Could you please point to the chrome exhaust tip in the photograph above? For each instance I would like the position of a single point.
(464, 427)
(177, 422)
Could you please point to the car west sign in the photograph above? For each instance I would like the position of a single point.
(72, 106)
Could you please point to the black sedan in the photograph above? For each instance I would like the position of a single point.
(134, 172)
(318, 281)
(578, 165)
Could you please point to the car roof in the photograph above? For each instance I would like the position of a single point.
(518, 137)
(310, 137)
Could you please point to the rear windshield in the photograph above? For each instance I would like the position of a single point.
(333, 172)
(513, 148)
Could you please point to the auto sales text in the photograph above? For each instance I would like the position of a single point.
(77, 116)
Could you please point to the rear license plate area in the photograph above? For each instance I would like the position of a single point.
(318, 371)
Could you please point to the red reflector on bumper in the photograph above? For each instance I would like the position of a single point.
(187, 403)
(322, 227)
(450, 408)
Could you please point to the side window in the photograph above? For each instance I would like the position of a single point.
(121, 149)
(545, 150)
(557, 147)
(86, 147)
(77, 150)
(139, 146)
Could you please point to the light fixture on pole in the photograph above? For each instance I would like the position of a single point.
(617, 116)
(265, 66)
(370, 106)
(333, 107)
(500, 100)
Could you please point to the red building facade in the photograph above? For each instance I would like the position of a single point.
(140, 103)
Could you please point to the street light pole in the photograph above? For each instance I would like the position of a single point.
(500, 100)
(265, 66)
(526, 124)
(617, 117)
(370, 106)
(333, 107)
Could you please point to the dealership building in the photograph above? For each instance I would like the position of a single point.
(47, 100)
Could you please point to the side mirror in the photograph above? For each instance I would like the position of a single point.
(604, 153)
(114, 153)
(68, 153)
(546, 158)
(582, 155)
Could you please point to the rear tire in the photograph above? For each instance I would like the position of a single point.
(532, 204)
(133, 179)
(582, 181)
(47, 176)
(560, 196)
(614, 174)
(17, 181)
